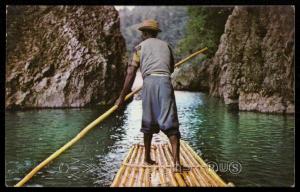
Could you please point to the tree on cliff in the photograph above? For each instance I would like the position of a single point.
(204, 28)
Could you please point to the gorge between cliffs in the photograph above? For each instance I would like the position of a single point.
(66, 56)
(66, 65)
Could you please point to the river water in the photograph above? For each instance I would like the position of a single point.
(246, 148)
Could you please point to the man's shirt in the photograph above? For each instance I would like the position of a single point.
(154, 56)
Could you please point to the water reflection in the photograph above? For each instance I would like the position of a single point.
(262, 143)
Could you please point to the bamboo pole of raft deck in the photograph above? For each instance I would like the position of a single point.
(198, 176)
(192, 178)
(139, 162)
(132, 169)
(187, 175)
(213, 173)
(204, 165)
(156, 169)
(178, 177)
(195, 171)
(127, 170)
(88, 128)
(205, 178)
(121, 170)
(171, 176)
(186, 179)
(142, 170)
(123, 177)
(147, 177)
(161, 170)
(135, 169)
(152, 169)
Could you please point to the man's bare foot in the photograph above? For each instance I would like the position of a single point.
(180, 168)
(149, 161)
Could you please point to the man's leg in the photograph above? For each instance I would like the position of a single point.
(175, 143)
(175, 148)
(147, 144)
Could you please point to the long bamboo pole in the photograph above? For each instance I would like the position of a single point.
(88, 128)
(191, 56)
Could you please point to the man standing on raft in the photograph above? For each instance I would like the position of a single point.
(156, 62)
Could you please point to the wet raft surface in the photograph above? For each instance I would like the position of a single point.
(135, 173)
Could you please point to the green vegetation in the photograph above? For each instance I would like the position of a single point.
(186, 28)
(204, 29)
(172, 20)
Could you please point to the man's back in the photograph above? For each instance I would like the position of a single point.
(155, 57)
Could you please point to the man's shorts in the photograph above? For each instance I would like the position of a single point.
(159, 106)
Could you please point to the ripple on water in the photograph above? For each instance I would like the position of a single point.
(263, 144)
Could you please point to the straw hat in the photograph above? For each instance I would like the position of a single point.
(149, 24)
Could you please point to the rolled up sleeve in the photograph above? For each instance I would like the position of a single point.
(136, 58)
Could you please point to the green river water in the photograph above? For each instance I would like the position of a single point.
(246, 148)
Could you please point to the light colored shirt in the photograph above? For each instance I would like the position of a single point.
(154, 56)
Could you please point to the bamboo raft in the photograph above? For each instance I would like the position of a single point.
(135, 173)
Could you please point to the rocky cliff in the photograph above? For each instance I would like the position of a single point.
(254, 64)
(253, 67)
(187, 77)
(63, 56)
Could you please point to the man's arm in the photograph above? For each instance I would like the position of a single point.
(172, 62)
(130, 76)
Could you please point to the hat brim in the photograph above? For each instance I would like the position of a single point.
(147, 28)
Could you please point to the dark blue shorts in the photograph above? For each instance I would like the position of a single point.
(159, 106)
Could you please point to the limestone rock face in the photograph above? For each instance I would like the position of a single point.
(254, 64)
(63, 56)
(253, 67)
(192, 76)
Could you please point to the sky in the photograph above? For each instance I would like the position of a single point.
(121, 7)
